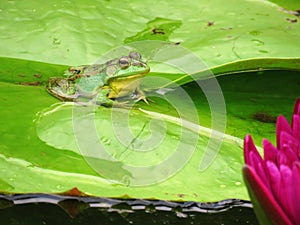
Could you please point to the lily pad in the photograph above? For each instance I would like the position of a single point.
(51, 154)
(39, 142)
(78, 32)
(47, 150)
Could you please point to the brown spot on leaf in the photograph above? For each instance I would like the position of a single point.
(264, 117)
(180, 195)
(125, 196)
(226, 28)
(37, 75)
(211, 23)
(73, 192)
(157, 31)
(30, 83)
(291, 20)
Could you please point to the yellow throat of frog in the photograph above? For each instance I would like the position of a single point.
(124, 86)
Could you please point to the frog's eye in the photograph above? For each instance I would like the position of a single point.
(124, 62)
(135, 55)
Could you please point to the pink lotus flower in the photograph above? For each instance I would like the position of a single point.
(273, 182)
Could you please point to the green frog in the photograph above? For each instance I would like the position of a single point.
(101, 84)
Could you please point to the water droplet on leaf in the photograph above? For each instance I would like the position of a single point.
(255, 32)
(257, 42)
(105, 140)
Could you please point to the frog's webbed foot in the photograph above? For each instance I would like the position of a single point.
(146, 100)
(141, 98)
(139, 95)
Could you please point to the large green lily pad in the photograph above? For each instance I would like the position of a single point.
(41, 145)
(78, 32)
(39, 151)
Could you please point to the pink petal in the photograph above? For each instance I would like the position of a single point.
(290, 156)
(270, 152)
(297, 107)
(282, 159)
(296, 127)
(259, 166)
(250, 147)
(286, 191)
(287, 139)
(274, 178)
(266, 207)
(281, 125)
(296, 191)
(254, 159)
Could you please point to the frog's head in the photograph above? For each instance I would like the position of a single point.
(124, 74)
(127, 66)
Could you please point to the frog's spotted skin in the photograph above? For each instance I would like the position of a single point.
(101, 83)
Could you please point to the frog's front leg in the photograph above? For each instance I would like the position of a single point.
(102, 99)
(138, 95)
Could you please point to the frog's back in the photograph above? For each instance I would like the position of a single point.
(90, 83)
